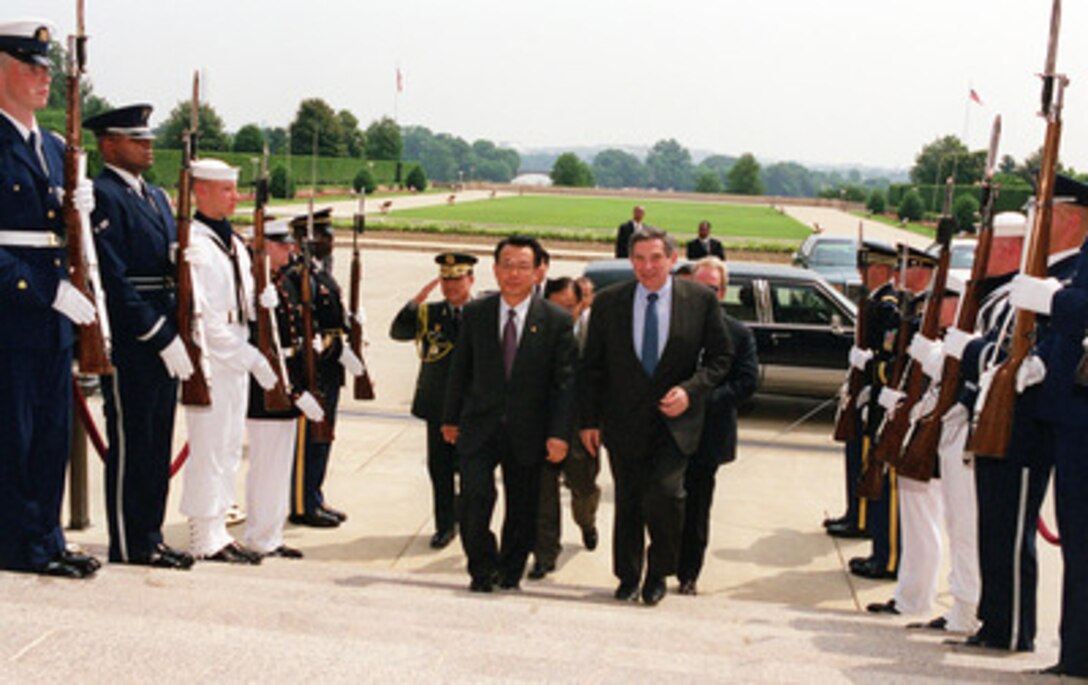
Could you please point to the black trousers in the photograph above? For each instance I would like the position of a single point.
(649, 498)
(312, 459)
(521, 488)
(442, 469)
(852, 455)
(579, 471)
(1070, 487)
(140, 401)
(699, 481)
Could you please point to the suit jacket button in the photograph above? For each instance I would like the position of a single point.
(56, 262)
(51, 214)
(15, 187)
(21, 285)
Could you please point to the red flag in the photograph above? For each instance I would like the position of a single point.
(400, 81)
(974, 96)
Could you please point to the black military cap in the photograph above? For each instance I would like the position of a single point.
(875, 252)
(27, 40)
(128, 121)
(322, 222)
(455, 264)
(1064, 186)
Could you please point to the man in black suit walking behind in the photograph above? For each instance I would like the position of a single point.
(626, 229)
(509, 403)
(704, 245)
(656, 348)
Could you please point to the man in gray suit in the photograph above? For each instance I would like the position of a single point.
(655, 349)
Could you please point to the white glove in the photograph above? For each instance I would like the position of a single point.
(985, 379)
(262, 371)
(889, 398)
(360, 316)
(317, 343)
(1031, 372)
(269, 298)
(74, 304)
(83, 198)
(933, 365)
(196, 255)
(309, 406)
(1033, 294)
(176, 359)
(921, 347)
(955, 341)
(859, 357)
(351, 363)
(864, 396)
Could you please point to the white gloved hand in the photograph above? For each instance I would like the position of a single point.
(83, 198)
(859, 357)
(73, 304)
(955, 341)
(317, 343)
(351, 363)
(1031, 372)
(1033, 294)
(269, 298)
(262, 371)
(933, 365)
(176, 359)
(309, 406)
(889, 398)
(920, 347)
(864, 396)
(196, 255)
(985, 379)
(360, 315)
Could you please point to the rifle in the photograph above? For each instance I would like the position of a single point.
(195, 391)
(846, 422)
(921, 451)
(890, 444)
(94, 338)
(275, 399)
(364, 387)
(321, 432)
(994, 427)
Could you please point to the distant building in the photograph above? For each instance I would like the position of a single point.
(534, 178)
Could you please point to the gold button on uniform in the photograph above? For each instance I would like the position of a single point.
(56, 262)
(15, 187)
(21, 285)
(50, 214)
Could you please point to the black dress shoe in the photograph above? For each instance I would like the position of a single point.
(939, 623)
(335, 513)
(315, 519)
(653, 591)
(442, 538)
(484, 584)
(883, 608)
(84, 562)
(1056, 669)
(540, 570)
(166, 557)
(590, 538)
(235, 554)
(845, 530)
(836, 521)
(58, 568)
(627, 592)
(687, 587)
(285, 552)
(872, 569)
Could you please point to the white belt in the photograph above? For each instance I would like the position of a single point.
(229, 316)
(35, 238)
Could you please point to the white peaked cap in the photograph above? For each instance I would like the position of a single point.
(214, 170)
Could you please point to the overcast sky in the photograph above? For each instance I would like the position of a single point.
(841, 81)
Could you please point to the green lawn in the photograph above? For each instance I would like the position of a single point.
(920, 229)
(603, 215)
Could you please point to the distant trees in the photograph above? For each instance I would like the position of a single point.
(248, 139)
(90, 104)
(383, 140)
(212, 135)
(744, 178)
(944, 156)
(876, 203)
(352, 137)
(669, 166)
(790, 179)
(911, 207)
(448, 158)
(417, 179)
(314, 114)
(708, 181)
(614, 168)
(280, 183)
(364, 181)
(569, 170)
(964, 210)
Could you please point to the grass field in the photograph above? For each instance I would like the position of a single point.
(602, 216)
(920, 229)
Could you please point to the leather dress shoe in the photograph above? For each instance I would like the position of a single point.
(335, 513)
(166, 557)
(58, 568)
(235, 553)
(871, 568)
(836, 521)
(939, 623)
(590, 538)
(315, 519)
(484, 583)
(627, 592)
(285, 552)
(653, 591)
(883, 608)
(980, 641)
(846, 530)
(687, 587)
(539, 570)
(510, 582)
(86, 563)
(442, 538)
(1056, 669)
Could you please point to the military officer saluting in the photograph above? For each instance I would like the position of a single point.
(38, 305)
(135, 236)
(433, 326)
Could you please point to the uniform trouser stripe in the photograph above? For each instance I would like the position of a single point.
(300, 467)
(119, 494)
(1021, 510)
(893, 521)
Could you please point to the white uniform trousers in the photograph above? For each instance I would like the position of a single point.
(920, 523)
(961, 522)
(268, 481)
(215, 452)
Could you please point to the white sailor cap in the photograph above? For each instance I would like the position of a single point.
(214, 170)
(27, 39)
(278, 230)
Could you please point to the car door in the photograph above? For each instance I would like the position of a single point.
(741, 302)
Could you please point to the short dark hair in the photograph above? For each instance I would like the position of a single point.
(558, 285)
(653, 233)
(519, 240)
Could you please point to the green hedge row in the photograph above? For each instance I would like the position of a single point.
(1008, 200)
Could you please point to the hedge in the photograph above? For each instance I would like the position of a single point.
(1008, 199)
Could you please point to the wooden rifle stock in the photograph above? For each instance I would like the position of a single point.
(321, 432)
(364, 387)
(275, 399)
(846, 423)
(195, 391)
(871, 483)
(94, 356)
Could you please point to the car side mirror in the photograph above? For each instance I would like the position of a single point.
(836, 324)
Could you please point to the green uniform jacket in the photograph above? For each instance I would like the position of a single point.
(434, 328)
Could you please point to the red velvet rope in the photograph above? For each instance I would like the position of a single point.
(96, 436)
(1048, 534)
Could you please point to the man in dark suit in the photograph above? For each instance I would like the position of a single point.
(134, 234)
(704, 245)
(718, 444)
(508, 403)
(626, 229)
(656, 348)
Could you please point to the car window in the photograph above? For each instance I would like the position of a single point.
(834, 254)
(800, 303)
(963, 257)
(740, 301)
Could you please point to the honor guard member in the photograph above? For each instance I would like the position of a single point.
(433, 326)
(308, 506)
(38, 305)
(135, 236)
(272, 434)
(223, 285)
